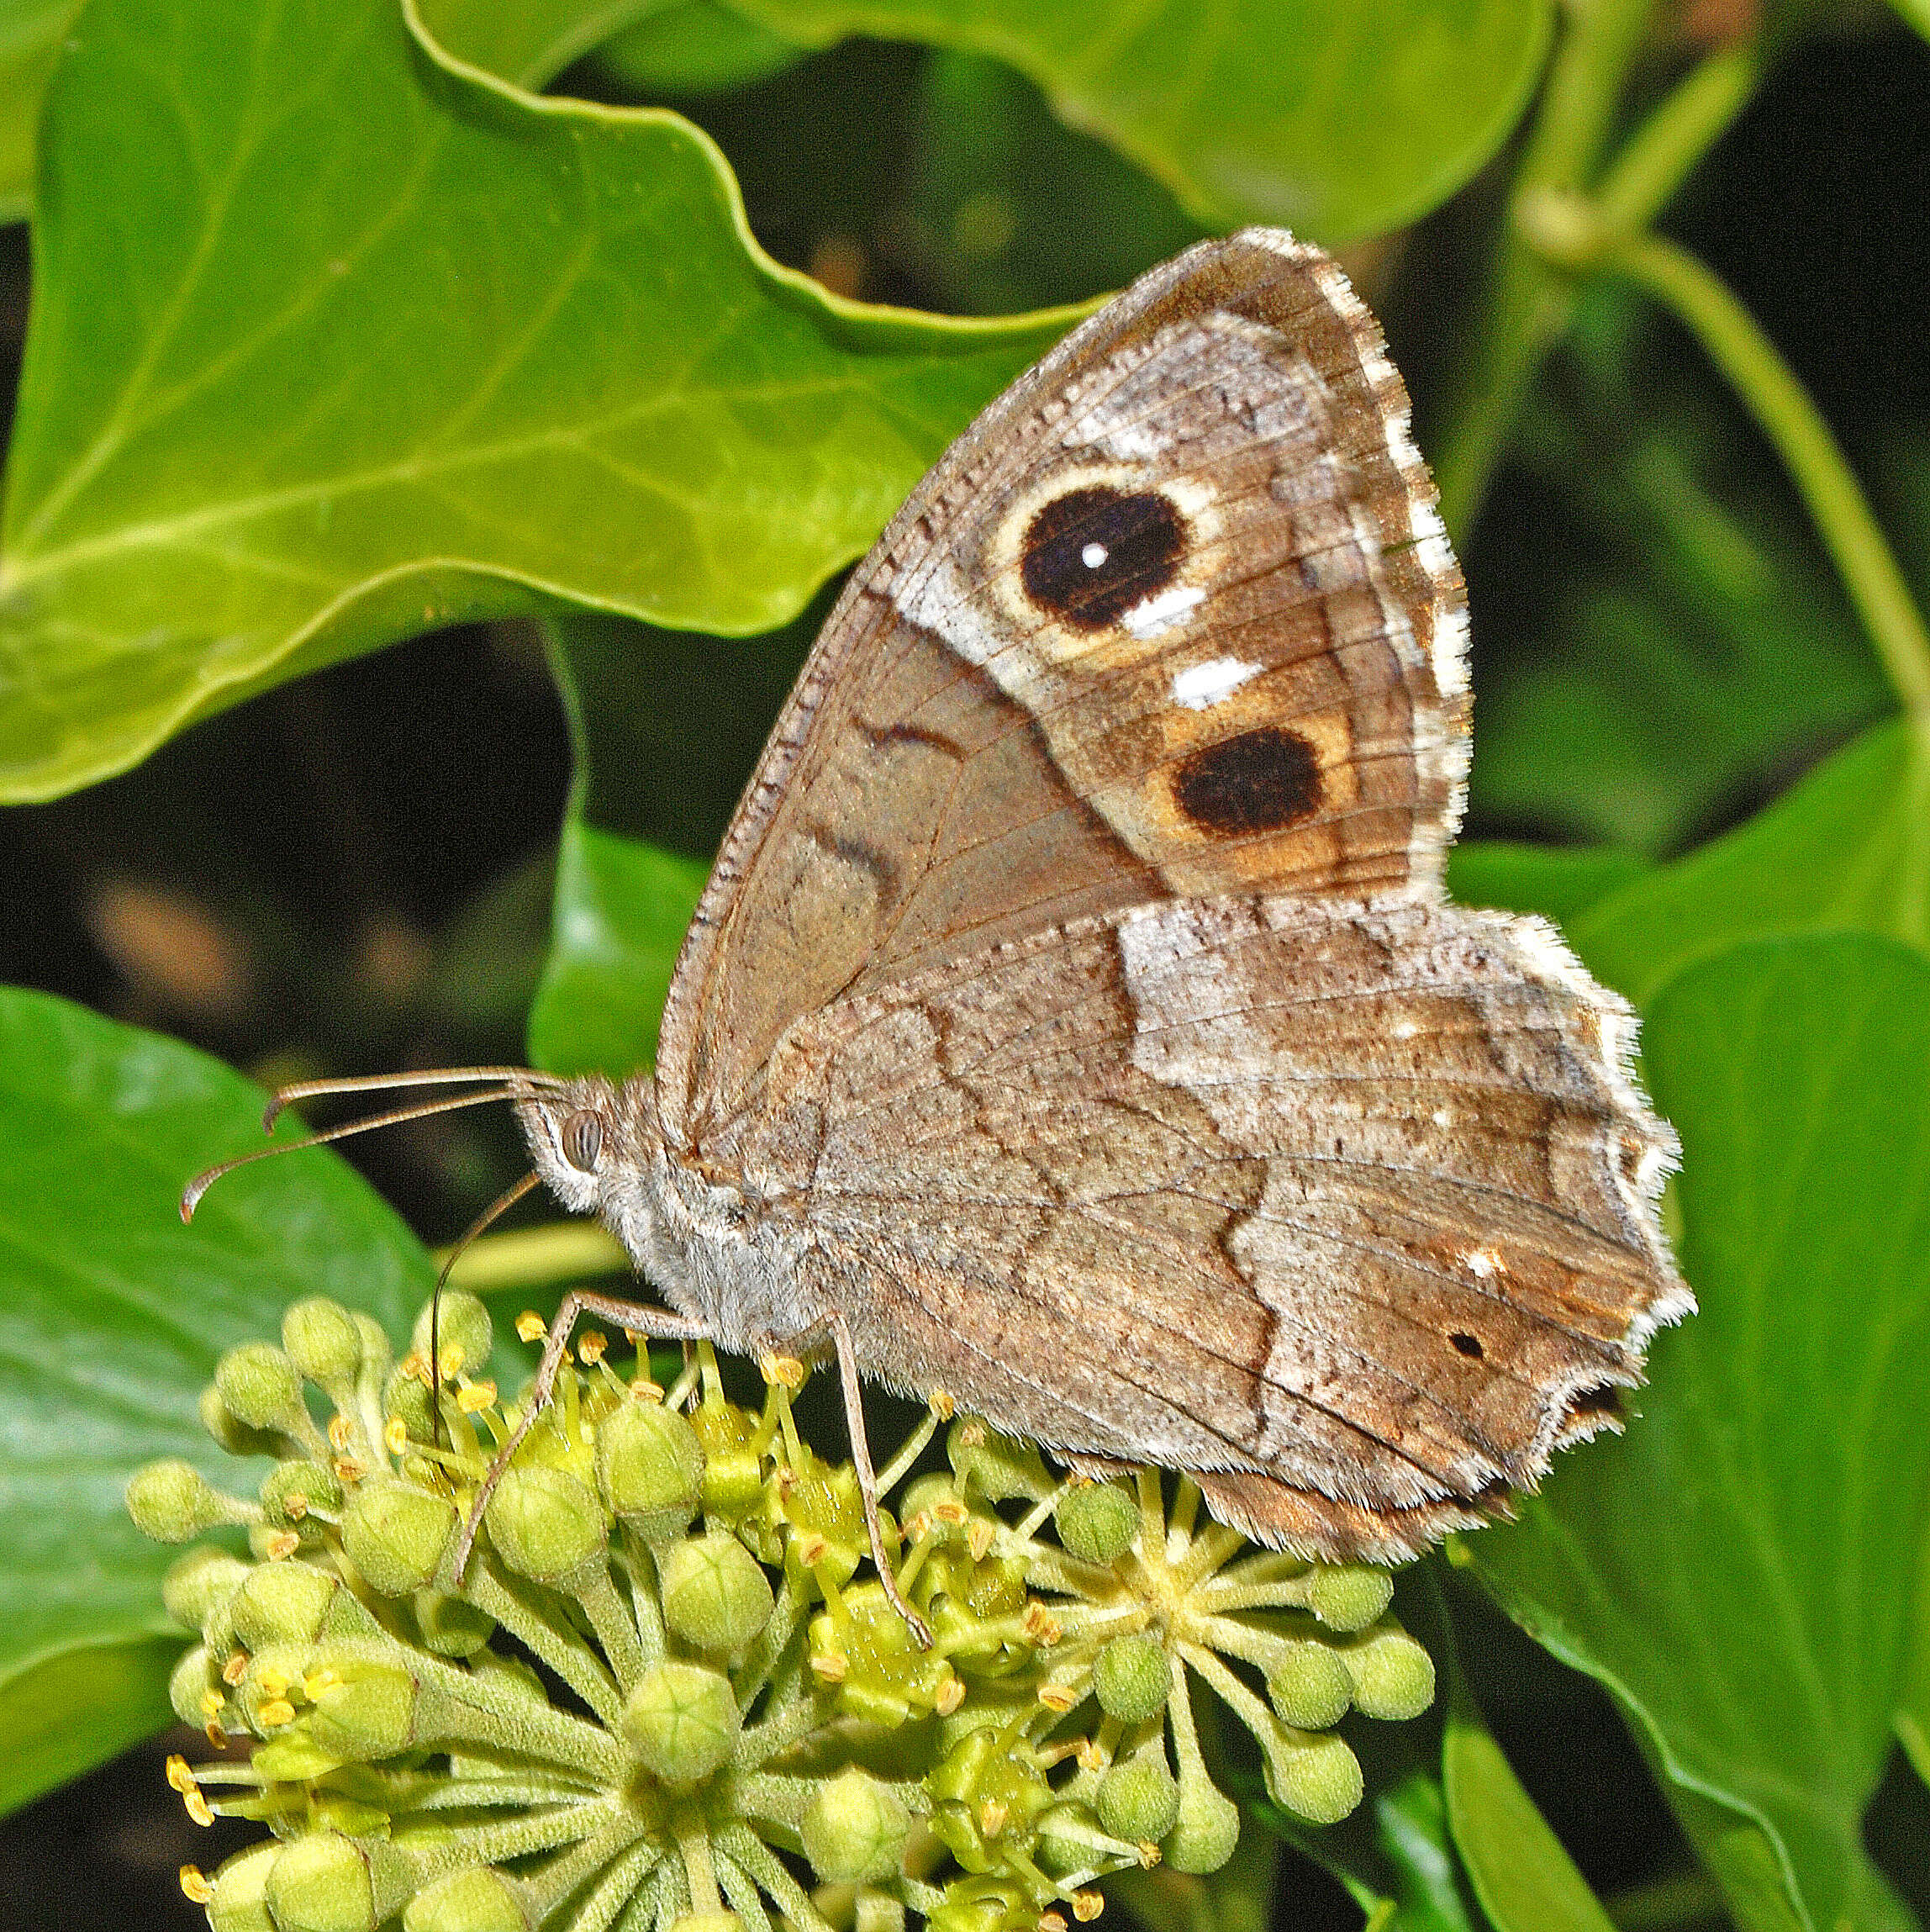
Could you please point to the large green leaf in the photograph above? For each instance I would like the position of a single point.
(295, 385)
(115, 1313)
(1846, 850)
(1562, 883)
(1737, 1568)
(1339, 117)
(30, 32)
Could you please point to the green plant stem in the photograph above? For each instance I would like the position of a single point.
(1532, 298)
(538, 1257)
(1704, 304)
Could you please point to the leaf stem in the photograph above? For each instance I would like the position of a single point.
(1735, 342)
(1531, 298)
(537, 1257)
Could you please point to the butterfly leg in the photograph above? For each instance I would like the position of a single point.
(658, 1324)
(867, 1477)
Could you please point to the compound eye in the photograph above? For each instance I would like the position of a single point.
(583, 1140)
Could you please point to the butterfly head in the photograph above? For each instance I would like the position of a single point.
(596, 1145)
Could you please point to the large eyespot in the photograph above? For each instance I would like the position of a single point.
(1089, 556)
(581, 1139)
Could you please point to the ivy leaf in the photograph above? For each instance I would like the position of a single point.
(695, 47)
(1562, 883)
(1340, 117)
(1737, 1569)
(30, 35)
(1846, 850)
(295, 386)
(116, 1314)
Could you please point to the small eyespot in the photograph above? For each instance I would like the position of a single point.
(583, 1139)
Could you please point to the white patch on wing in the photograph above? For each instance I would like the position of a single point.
(1201, 685)
(1162, 612)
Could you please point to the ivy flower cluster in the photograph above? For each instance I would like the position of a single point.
(666, 1692)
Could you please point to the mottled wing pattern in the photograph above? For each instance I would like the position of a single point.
(1175, 617)
(1346, 1207)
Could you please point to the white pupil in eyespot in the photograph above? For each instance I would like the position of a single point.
(1093, 555)
(583, 1140)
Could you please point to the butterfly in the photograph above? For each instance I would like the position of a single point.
(1075, 1019)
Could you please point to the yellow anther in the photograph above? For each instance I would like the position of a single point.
(530, 1326)
(211, 1702)
(395, 1435)
(1087, 1906)
(951, 1512)
(1051, 1922)
(591, 1345)
(636, 1340)
(787, 1371)
(195, 1806)
(338, 1436)
(971, 1436)
(918, 1528)
(811, 1551)
(318, 1681)
(1043, 1627)
(348, 1470)
(179, 1778)
(1056, 1698)
(276, 1712)
(832, 1666)
(787, 1478)
(215, 1736)
(275, 1683)
(979, 1539)
(1090, 1757)
(450, 1360)
(992, 1816)
(949, 1696)
(474, 1398)
(646, 1390)
(235, 1669)
(194, 1884)
(415, 1365)
(1149, 1853)
(281, 1544)
(941, 1405)
(295, 1505)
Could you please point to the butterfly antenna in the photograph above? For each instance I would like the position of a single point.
(192, 1194)
(379, 1083)
(501, 1205)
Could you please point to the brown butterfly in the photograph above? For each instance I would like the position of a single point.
(1075, 1020)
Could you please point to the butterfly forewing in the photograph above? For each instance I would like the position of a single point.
(1174, 616)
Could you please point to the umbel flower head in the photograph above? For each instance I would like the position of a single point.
(665, 1692)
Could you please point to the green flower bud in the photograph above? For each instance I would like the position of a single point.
(1205, 1832)
(682, 1721)
(1309, 1686)
(480, 1899)
(544, 1522)
(1315, 1777)
(877, 1912)
(716, 1595)
(173, 1501)
(855, 1829)
(998, 1467)
(405, 1399)
(233, 1436)
(280, 1604)
(259, 1387)
(322, 1340)
(707, 1922)
(450, 1627)
(1138, 1799)
(1098, 1522)
(1392, 1675)
(377, 1355)
(197, 1581)
(1066, 1840)
(365, 1708)
(290, 1489)
(1348, 1597)
(1132, 1680)
(324, 1883)
(240, 1900)
(464, 1335)
(188, 1685)
(650, 1467)
(395, 1534)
